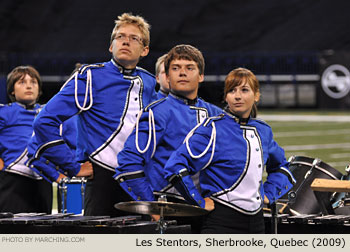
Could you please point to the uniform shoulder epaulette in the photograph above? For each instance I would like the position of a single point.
(145, 71)
(6, 105)
(155, 103)
(213, 119)
(259, 120)
(83, 68)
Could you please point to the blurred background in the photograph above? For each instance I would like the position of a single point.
(299, 49)
(288, 44)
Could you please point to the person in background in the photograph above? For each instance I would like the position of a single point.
(106, 97)
(164, 87)
(21, 189)
(163, 125)
(231, 151)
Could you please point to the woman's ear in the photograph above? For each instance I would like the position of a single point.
(257, 97)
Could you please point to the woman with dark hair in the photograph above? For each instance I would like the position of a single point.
(231, 152)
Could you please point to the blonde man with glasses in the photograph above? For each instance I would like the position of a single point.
(107, 98)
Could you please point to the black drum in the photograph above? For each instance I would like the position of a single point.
(305, 170)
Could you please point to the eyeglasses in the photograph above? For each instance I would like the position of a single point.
(132, 38)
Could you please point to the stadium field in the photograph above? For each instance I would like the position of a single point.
(323, 135)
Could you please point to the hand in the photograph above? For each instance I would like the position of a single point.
(155, 217)
(60, 177)
(209, 204)
(1, 164)
(266, 200)
(85, 170)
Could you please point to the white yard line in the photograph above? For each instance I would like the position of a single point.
(306, 118)
(313, 133)
(340, 155)
(317, 146)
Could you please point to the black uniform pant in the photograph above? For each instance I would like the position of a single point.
(102, 192)
(20, 194)
(226, 220)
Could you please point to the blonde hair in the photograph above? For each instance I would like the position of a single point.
(239, 76)
(160, 60)
(140, 22)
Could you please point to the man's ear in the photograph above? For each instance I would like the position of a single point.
(201, 78)
(145, 51)
(111, 48)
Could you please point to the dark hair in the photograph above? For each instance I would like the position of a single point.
(238, 76)
(186, 52)
(19, 73)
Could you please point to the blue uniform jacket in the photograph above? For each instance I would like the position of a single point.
(141, 169)
(161, 95)
(107, 102)
(15, 131)
(232, 166)
(68, 131)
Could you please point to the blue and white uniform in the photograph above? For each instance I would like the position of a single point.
(231, 158)
(162, 128)
(107, 101)
(21, 189)
(68, 131)
(107, 98)
(15, 130)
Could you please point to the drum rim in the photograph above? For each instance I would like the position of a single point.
(73, 180)
(332, 172)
